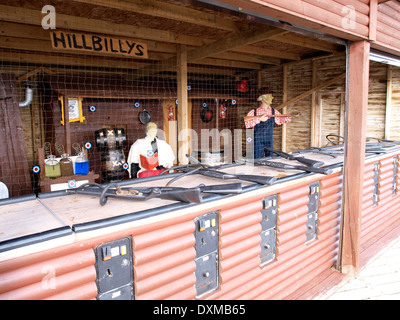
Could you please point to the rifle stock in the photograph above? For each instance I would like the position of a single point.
(245, 177)
(280, 165)
(189, 195)
(308, 162)
(247, 118)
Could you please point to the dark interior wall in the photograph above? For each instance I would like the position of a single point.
(229, 122)
(109, 112)
(14, 170)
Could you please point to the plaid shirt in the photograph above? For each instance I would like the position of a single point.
(260, 112)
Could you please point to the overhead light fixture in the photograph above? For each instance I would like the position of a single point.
(383, 57)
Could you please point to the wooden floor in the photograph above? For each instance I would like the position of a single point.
(378, 280)
(379, 277)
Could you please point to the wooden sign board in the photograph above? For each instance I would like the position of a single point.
(64, 40)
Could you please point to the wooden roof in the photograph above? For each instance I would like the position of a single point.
(219, 43)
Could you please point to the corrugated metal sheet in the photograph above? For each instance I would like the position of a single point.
(164, 262)
(296, 261)
(48, 275)
(164, 253)
(377, 217)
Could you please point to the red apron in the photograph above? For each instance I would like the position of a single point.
(149, 164)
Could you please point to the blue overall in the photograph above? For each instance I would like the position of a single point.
(264, 137)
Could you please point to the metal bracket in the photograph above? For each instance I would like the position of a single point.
(312, 215)
(268, 227)
(375, 191)
(207, 239)
(114, 270)
(395, 168)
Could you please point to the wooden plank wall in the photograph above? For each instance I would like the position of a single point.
(326, 16)
(388, 27)
(331, 100)
(377, 100)
(394, 132)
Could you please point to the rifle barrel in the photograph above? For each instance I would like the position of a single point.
(247, 118)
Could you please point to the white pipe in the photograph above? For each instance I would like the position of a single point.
(28, 98)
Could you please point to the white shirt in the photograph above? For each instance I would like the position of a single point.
(143, 147)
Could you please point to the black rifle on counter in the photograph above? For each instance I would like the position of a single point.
(285, 166)
(266, 180)
(214, 173)
(189, 195)
(307, 162)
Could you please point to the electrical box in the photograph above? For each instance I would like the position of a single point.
(114, 270)
(207, 240)
(268, 227)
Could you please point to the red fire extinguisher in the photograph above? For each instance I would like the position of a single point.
(171, 113)
(222, 111)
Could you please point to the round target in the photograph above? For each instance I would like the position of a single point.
(234, 102)
(136, 104)
(71, 184)
(176, 101)
(189, 88)
(249, 139)
(92, 108)
(36, 169)
(88, 145)
(125, 166)
(150, 153)
(204, 105)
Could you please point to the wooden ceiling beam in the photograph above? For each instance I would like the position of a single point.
(292, 38)
(230, 43)
(224, 60)
(66, 22)
(246, 53)
(100, 62)
(216, 47)
(169, 11)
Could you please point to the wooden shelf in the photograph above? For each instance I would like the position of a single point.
(46, 183)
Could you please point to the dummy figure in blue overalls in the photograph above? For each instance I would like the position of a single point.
(263, 125)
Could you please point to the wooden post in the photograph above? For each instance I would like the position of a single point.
(357, 90)
(67, 129)
(373, 19)
(284, 110)
(314, 119)
(388, 114)
(183, 114)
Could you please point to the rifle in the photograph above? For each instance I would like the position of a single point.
(308, 162)
(190, 195)
(280, 165)
(205, 171)
(226, 176)
(247, 118)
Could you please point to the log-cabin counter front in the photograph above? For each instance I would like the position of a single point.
(56, 237)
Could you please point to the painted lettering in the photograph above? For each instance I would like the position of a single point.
(57, 40)
(96, 43)
(139, 49)
(120, 47)
(84, 43)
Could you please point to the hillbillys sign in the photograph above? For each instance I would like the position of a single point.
(63, 40)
